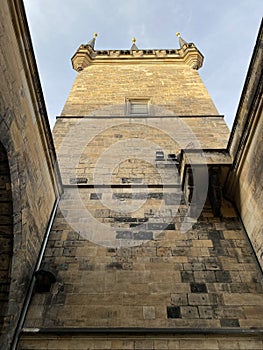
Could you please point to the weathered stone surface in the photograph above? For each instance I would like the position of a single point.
(174, 269)
(119, 248)
(162, 342)
(246, 148)
(27, 199)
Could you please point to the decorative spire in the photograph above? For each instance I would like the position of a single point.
(134, 46)
(182, 42)
(93, 40)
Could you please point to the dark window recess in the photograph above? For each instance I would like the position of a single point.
(95, 196)
(78, 180)
(173, 312)
(159, 155)
(44, 280)
(172, 157)
(198, 288)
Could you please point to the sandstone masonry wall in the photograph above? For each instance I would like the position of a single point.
(174, 89)
(25, 135)
(246, 147)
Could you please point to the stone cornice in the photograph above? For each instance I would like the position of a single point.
(188, 54)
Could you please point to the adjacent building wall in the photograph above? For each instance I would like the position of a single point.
(27, 140)
(245, 182)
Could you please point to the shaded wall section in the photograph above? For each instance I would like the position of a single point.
(6, 235)
(245, 182)
(26, 138)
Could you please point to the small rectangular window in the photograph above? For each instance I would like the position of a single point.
(159, 155)
(138, 107)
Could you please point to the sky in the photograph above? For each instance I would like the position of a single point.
(224, 31)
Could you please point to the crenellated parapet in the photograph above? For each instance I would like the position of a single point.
(188, 53)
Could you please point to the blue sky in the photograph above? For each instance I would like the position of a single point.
(223, 30)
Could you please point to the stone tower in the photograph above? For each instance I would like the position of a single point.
(145, 252)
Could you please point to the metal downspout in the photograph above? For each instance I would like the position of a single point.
(32, 282)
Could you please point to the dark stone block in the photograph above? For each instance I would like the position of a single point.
(198, 288)
(141, 196)
(231, 322)
(125, 219)
(173, 312)
(187, 276)
(95, 196)
(114, 266)
(160, 226)
(155, 195)
(85, 266)
(239, 288)
(179, 251)
(202, 226)
(217, 252)
(215, 235)
(156, 226)
(69, 251)
(136, 180)
(111, 250)
(143, 219)
(223, 276)
(72, 235)
(143, 235)
(78, 180)
(128, 180)
(139, 225)
(122, 195)
(123, 235)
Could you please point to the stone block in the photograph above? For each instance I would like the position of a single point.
(179, 299)
(230, 322)
(189, 312)
(149, 312)
(173, 312)
(198, 287)
(124, 235)
(143, 235)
